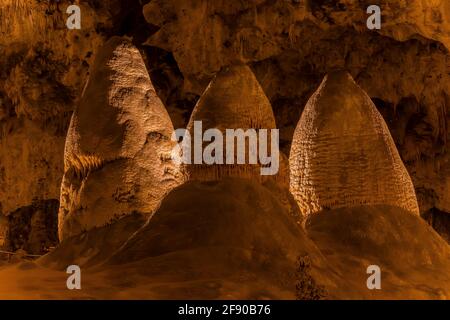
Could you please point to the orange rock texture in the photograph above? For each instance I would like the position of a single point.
(288, 45)
(87, 170)
(233, 100)
(118, 147)
(343, 155)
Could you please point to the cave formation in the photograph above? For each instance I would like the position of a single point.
(179, 48)
(118, 149)
(343, 155)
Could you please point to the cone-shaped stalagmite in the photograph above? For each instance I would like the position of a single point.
(343, 155)
(118, 148)
(233, 100)
(3, 230)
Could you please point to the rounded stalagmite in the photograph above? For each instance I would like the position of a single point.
(118, 148)
(234, 100)
(342, 153)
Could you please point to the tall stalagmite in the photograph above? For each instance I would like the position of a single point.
(343, 155)
(117, 155)
(233, 100)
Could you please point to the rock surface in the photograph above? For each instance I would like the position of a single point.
(234, 240)
(3, 230)
(33, 229)
(352, 239)
(233, 100)
(290, 46)
(43, 69)
(117, 155)
(343, 154)
(208, 240)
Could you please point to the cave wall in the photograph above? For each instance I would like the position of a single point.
(43, 71)
(33, 228)
(290, 46)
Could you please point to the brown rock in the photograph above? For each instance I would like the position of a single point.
(43, 68)
(343, 154)
(412, 257)
(233, 100)
(117, 156)
(291, 45)
(33, 228)
(3, 230)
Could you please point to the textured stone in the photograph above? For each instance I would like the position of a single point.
(214, 33)
(440, 221)
(291, 45)
(33, 228)
(43, 68)
(413, 258)
(3, 230)
(233, 100)
(31, 165)
(343, 154)
(117, 155)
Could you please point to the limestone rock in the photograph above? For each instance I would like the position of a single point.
(33, 228)
(236, 229)
(205, 35)
(411, 255)
(440, 221)
(291, 45)
(3, 230)
(31, 165)
(117, 155)
(343, 154)
(43, 68)
(233, 100)
(94, 246)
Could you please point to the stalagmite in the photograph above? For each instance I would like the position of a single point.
(233, 100)
(117, 155)
(343, 155)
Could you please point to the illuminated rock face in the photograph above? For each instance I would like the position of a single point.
(233, 100)
(343, 155)
(117, 154)
(3, 230)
